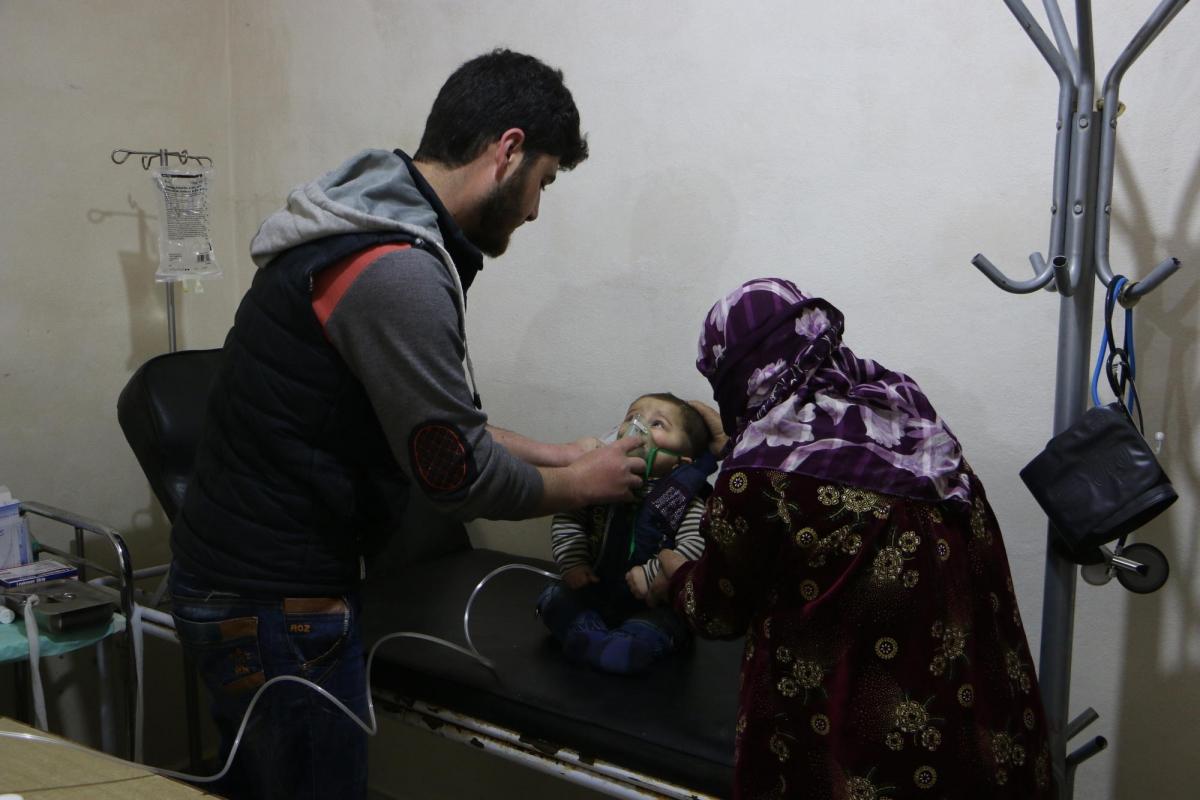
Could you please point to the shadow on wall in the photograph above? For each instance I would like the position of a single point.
(146, 532)
(1158, 724)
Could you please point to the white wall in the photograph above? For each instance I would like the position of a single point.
(865, 150)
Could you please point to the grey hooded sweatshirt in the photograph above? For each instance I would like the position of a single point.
(399, 325)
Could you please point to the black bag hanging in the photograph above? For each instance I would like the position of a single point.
(1098, 480)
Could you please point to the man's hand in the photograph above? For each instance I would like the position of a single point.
(607, 474)
(578, 577)
(635, 579)
(712, 418)
(580, 447)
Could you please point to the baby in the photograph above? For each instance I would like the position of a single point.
(608, 555)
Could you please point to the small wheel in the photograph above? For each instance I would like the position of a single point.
(1096, 574)
(1157, 569)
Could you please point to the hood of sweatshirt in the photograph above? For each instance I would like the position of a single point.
(372, 192)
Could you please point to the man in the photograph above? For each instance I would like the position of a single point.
(346, 383)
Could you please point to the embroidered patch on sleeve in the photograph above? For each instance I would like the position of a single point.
(441, 459)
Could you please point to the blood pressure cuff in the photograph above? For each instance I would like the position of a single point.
(1097, 481)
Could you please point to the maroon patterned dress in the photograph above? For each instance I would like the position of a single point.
(885, 656)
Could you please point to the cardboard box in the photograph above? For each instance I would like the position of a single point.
(14, 532)
(37, 572)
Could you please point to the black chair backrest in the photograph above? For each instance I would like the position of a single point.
(161, 410)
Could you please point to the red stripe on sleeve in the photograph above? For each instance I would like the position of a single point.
(332, 283)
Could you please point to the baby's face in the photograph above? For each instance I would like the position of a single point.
(665, 422)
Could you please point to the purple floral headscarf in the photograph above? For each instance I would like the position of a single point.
(793, 398)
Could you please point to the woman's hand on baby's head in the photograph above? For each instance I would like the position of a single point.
(712, 418)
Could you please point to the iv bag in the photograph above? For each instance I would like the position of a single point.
(184, 248)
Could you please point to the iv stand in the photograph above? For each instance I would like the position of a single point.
(164, 158)
(1080, 217)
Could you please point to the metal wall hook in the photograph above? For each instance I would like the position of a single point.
(1112, 108)
(1078, 252)
(121, 155)
(1041, 278)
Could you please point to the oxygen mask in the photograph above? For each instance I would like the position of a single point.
(648, 450)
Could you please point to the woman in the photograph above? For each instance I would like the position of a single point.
(851, 543)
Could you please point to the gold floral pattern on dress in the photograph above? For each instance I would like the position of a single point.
(1007, 752)
(805, 538)
(720, 530)
(925, 777)
(779, 747)
(912, 719)
(942, 548)
(854, 500)
(842, 541)
(809, 589)
(888, 565)
(979, 528)
(803, 676)
(689, 597)
(820, 724)
(726, 587)
(718, 628)
(1029, 718)
(995, 598)
(738, 482)
(860, 788)
(886, 648)
(966, 695)
(1041, 768)
(809, 673)
(952, 647)
(1017, 671)
(741, 725)
(778, 494)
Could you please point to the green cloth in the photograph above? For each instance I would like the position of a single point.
(14, 645)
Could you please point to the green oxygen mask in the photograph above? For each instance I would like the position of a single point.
(648, 451)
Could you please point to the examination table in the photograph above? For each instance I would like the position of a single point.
(668, 733)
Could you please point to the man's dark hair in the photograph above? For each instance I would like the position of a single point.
(494, 92)
(694, 426)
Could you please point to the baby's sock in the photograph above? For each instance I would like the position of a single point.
(620, 653)
(583, 634)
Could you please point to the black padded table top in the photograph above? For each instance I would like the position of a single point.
(674, 723)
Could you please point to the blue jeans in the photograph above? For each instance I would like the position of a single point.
(297, 743)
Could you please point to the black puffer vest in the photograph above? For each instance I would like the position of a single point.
(294, 479)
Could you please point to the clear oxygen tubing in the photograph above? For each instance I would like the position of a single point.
(370, 727)
(35, 671)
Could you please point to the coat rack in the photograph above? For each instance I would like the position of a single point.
(1080, 216)
(164, 159)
